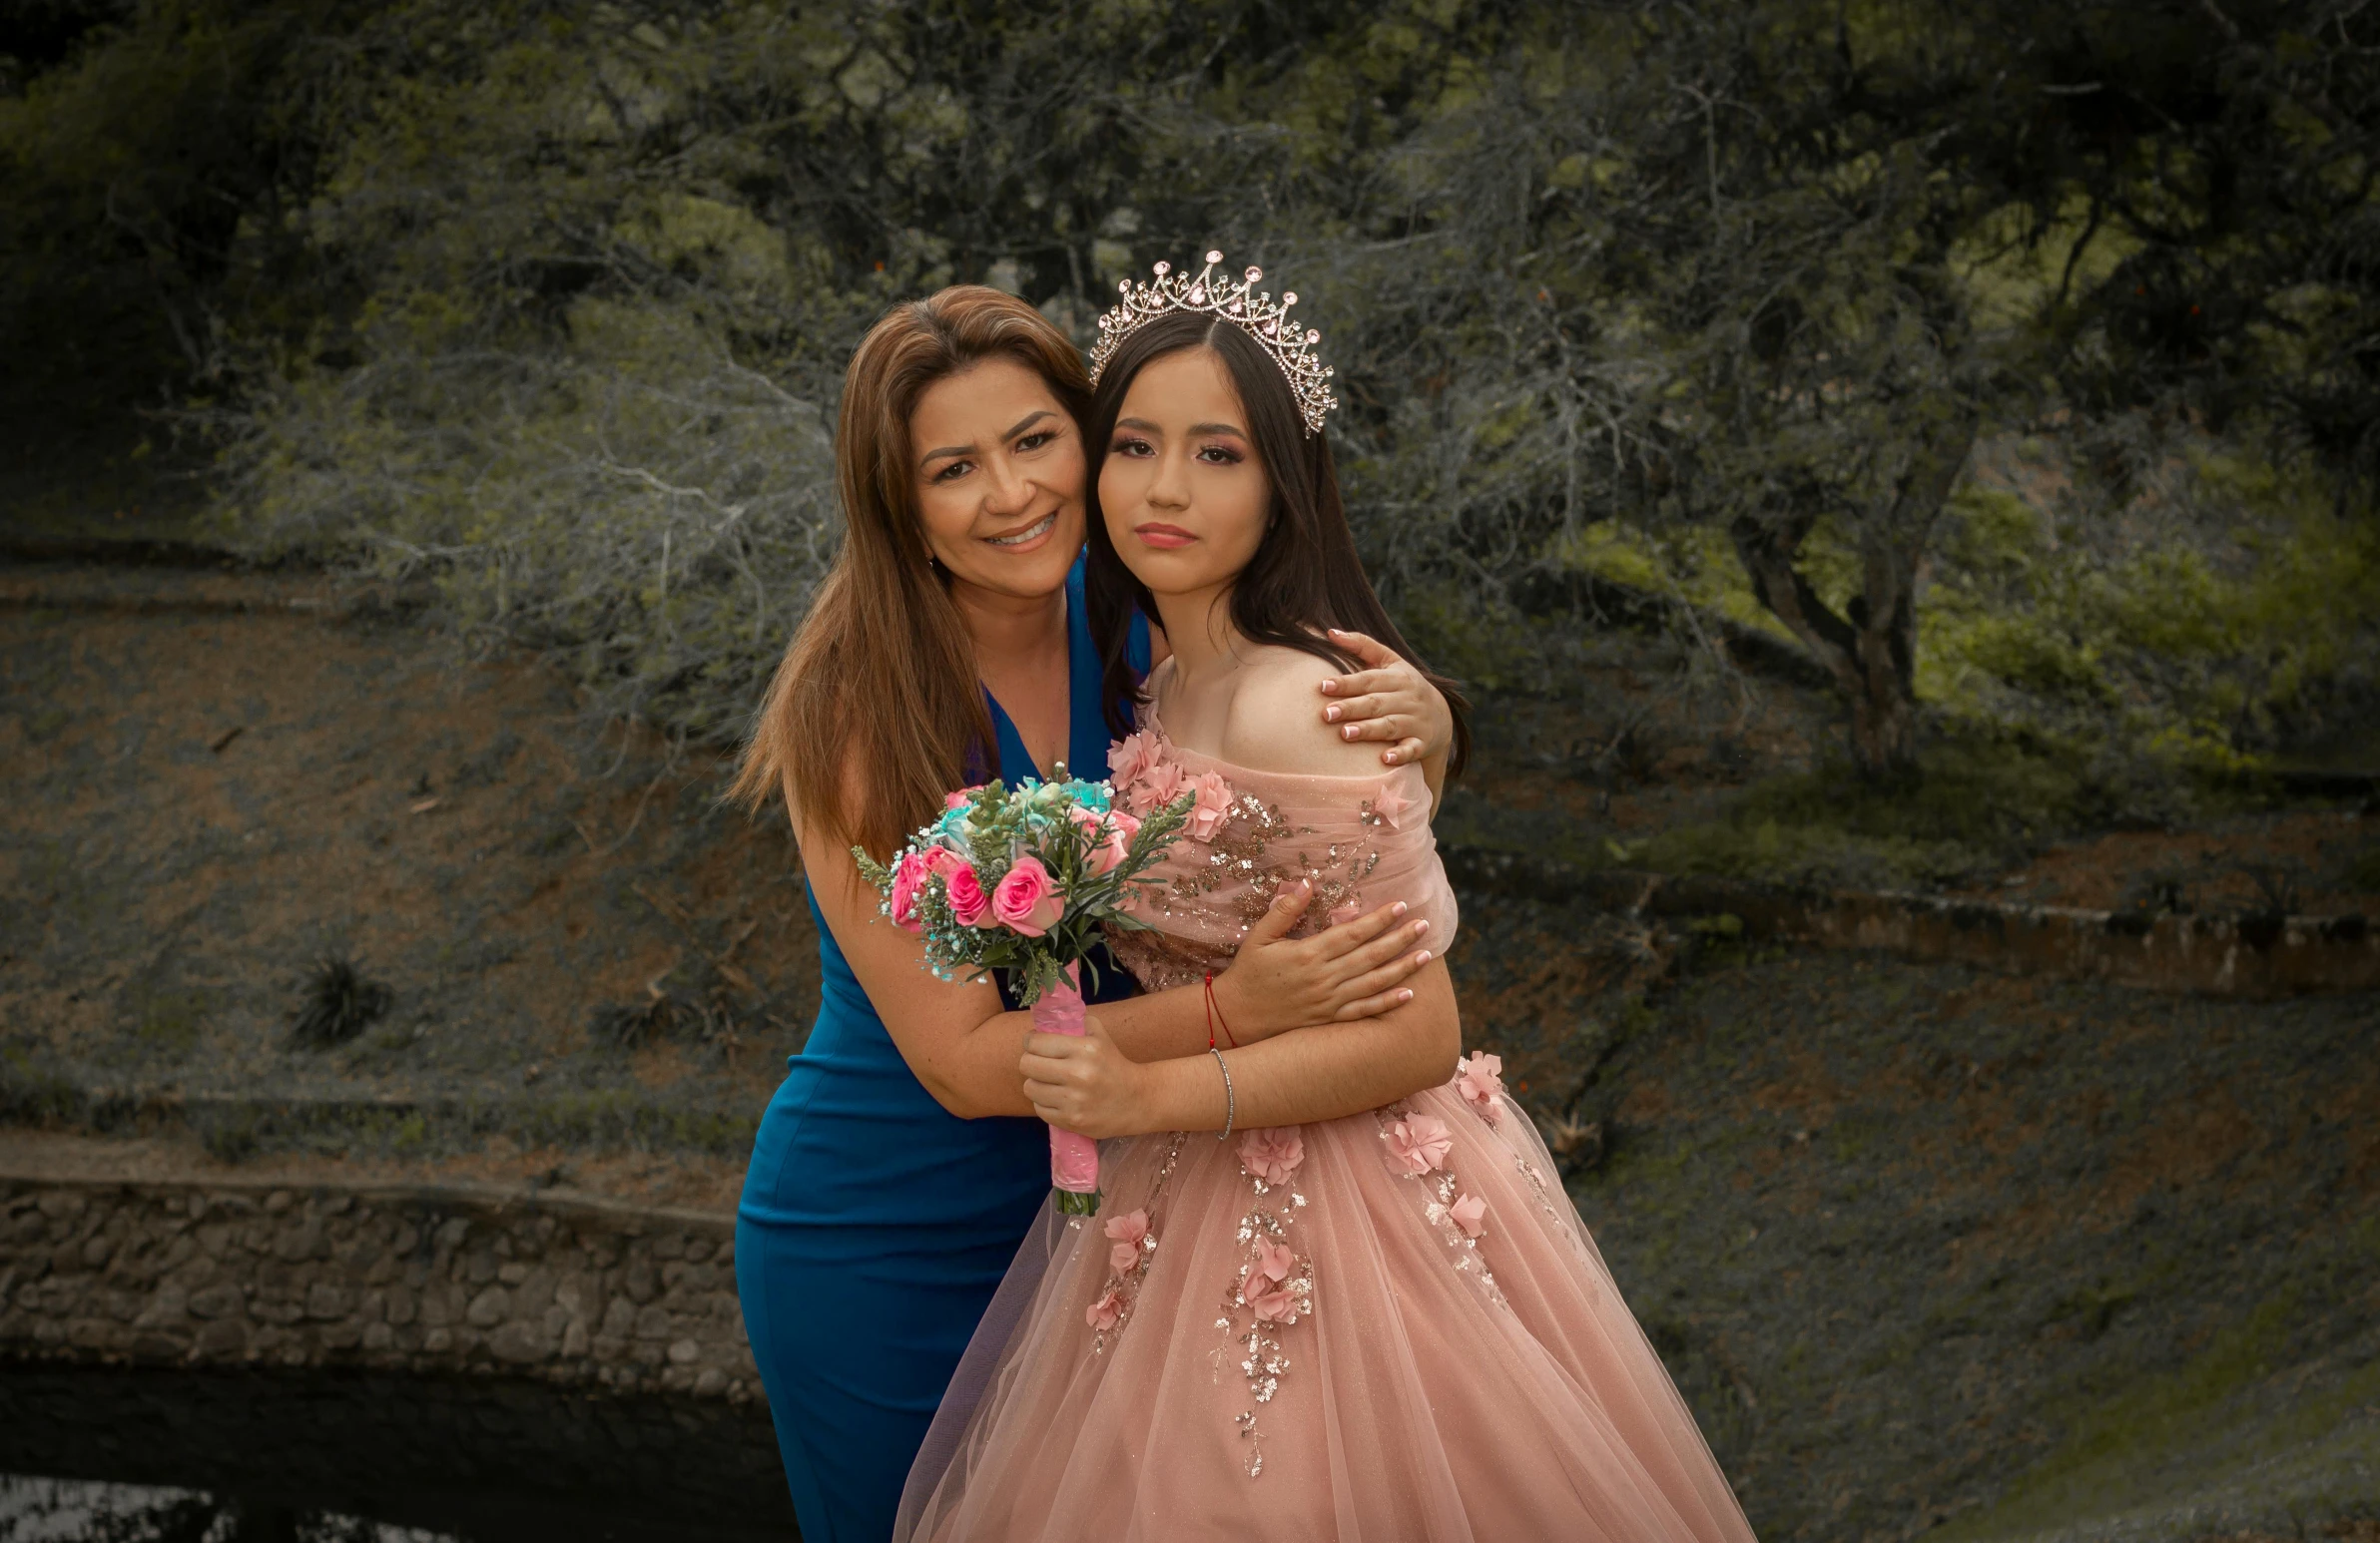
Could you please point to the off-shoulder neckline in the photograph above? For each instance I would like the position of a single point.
(1154, 724)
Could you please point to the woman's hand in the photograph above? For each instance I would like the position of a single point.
(1356, 969)
(1387, 699)
(1086, 1085)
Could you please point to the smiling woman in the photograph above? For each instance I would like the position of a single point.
(999, 502)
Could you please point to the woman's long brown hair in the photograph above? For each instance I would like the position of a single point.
(1304, 574)
(876, 711)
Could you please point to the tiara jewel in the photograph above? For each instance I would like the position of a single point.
(1236, 301)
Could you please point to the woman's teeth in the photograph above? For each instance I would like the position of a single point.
(1028, 533)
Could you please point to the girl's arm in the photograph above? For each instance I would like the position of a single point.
(1090, 1085)
(962, 1045)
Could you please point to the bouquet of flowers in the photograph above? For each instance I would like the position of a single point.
(1021, 879)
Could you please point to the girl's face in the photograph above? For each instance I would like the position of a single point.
(1185, 498)
(1000, 478)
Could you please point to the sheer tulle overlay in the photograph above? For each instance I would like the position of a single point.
(1386, 1328)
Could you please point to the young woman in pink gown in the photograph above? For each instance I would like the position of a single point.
(1333, 1293)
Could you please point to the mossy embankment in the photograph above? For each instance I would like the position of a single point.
(1928, 1247)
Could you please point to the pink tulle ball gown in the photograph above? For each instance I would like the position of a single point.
(1384, 1328)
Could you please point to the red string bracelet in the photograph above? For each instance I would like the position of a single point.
(1215, 1016)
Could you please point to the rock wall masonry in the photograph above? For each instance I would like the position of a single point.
(446, 1279)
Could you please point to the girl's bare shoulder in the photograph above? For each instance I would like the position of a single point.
(1275, 720)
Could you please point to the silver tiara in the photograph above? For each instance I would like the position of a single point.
(1234, 302)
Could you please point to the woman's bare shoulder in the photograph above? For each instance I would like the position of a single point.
(1275, 722)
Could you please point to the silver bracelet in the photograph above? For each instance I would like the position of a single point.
(1230, 1105)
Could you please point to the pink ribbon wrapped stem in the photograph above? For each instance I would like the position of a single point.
(1073, 1159)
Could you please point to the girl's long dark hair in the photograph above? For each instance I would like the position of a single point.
(1305, 575)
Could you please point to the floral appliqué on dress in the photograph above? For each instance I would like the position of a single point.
(1416, 1145)
(1132, 1246)
(1274, 1286)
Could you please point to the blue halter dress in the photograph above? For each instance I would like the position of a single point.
(874, 1224)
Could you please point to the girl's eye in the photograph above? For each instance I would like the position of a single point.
(1129, 445)
(1219, 456)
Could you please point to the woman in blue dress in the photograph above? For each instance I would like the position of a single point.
(898, 1166)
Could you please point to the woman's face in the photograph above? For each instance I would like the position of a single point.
(1185, 498)
(1000, 478)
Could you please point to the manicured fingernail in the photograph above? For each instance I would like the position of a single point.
(1421, 926)
(1389, 757)
(1331, 713)
(1400, 910)
(1348, 732)
(1422, 957)
(1329, 686)
(1404, 996)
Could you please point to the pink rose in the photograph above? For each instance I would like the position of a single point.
(1123, 1255)
(1272, 1153)
(959, 800)
(1210, 808)
(1391, 806)
(1028, 899)
(969, 902)
(909, 876)
(1273, 1261)
(1107, 1311)
(1471, 1214)
(943, 860)
(1477, 1078)
(1129, 758)
(1419, 1143)
(1106, 848)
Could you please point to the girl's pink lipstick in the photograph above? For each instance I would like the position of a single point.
(1165, 536)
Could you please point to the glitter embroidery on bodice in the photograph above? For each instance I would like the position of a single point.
(1359, 842)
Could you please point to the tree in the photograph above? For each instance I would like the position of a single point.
(1773, 269)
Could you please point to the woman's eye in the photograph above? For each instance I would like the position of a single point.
(1034, 442)
(954, 471)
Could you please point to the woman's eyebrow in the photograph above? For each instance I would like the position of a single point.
(1014, 429)
(1147, 427)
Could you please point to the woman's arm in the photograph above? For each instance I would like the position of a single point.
(961, 1044)
(1089, 1086)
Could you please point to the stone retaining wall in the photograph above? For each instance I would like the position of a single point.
(435, 1279)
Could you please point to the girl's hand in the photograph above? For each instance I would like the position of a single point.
(1086, 1085)
(1356, 969)
(1387, 699)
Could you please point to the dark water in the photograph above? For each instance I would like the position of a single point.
(98, 1455)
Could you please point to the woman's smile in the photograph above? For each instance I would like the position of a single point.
(1027, 539)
